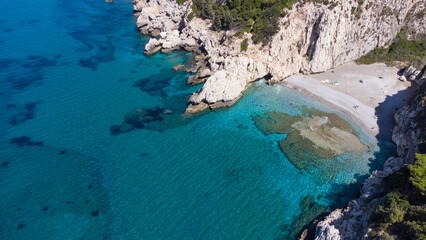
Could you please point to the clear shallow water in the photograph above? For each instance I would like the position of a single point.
(70, 71)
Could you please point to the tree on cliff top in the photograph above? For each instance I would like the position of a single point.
(418, 173)
(260, 17)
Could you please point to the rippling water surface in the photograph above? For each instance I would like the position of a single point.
(72, 71)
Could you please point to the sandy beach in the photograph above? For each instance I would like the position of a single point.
(369, 94)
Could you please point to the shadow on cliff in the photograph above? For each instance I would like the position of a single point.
(386, 122)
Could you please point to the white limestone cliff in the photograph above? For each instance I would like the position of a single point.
(312, 38)
(353, 221)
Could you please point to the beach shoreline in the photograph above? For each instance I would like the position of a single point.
(368, 94)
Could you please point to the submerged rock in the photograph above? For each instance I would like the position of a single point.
(353, 221)
(195, 80)
(197, 108)
(178, 67)
(313, 140)
(138, 118)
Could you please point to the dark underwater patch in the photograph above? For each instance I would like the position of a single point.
(5, 164)
(95, 213)
(8, 30)
(24, 141)
(38, 62)
(6, 63)
(155, 85)
(310, 210)
(33, 21)
(159, 119)
(138, 119)
(26, 114)
(25, 81)
(105, 54)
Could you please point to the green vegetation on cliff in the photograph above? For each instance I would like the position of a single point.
(260, 17)
(244, 45)
(411, 52)
(403, 213)
(418, 173)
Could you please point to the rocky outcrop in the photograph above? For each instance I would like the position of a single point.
(415, 21)
(352, 222)
(312, 38)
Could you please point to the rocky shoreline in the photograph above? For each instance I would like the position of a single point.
(352, 221)
(312, 38)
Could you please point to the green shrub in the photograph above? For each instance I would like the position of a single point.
(413, 52)
(420, 14)
(259, 16)
(181, 1)
(244, 45)
(190, 16)
(408, 221)
(418, 173)
(397, 180)
(392, 211)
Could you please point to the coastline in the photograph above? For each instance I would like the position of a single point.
(227, 70)
(379, 83)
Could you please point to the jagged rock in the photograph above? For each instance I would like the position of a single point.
(167, 112)
(152, 47)
(415, 22)
(195, 80)
(327, 231)
(311, 38)
(408, 71)
(352, 223)
(205, 73)
(178, 67)
(196, 108)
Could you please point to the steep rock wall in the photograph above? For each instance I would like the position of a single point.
(312, 38)
(352, 222)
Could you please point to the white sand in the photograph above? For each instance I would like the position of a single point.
(378, 95)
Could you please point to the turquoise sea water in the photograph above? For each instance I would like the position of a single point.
(71, 70)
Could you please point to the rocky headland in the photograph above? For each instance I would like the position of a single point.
(311, 38)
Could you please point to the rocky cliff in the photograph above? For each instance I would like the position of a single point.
(353, 221)
(312, 38)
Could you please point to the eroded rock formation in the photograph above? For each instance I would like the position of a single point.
(312, 38)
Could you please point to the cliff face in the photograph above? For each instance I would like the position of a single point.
(312, 38)
(352, 222)
(415, 21)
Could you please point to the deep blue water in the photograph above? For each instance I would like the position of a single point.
(69, 71)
